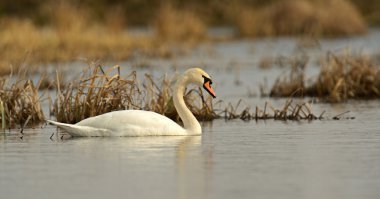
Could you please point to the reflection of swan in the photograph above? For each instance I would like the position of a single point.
(145, 123)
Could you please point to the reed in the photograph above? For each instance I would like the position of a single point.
(179, 25)
(300, 17)
(3, 125)
(347, 77)
(100, 91)
(291, 84)
(291, 110)
(65, 44)
(65, 31)
(20, 103)
(341, 78)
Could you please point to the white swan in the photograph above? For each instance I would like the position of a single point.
(145, 123)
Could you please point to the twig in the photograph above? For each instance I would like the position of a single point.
(337, 117)
(26, 122)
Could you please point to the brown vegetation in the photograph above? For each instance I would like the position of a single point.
(293, 83)
(179, 25)
(61, 31)
(289, 111)
(20, 103)
(100, 91)
(341, 78)
(300, 17)
(94, 94)
(53, 45)
(70, 36)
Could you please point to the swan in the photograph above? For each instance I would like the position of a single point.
(145, 123)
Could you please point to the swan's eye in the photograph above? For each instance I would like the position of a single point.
(206, 79)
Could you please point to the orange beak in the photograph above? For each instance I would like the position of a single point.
(209, 89)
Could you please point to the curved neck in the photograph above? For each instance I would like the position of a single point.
(190, 123)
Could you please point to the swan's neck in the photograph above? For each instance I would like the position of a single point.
(190, 123)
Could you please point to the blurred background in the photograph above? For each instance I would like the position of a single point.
(47, 31)
(212, 12)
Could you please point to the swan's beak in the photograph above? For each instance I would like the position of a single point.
(209, 89)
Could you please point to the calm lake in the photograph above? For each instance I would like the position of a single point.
(232, 159)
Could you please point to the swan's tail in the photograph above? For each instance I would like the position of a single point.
(75, 130)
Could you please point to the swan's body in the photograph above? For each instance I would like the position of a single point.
(145, 123)
(124, 123)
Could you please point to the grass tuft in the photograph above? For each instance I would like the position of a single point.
(100, 91)
(341, 78)
(20, 103)
(289, 111)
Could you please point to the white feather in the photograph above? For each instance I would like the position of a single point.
(124, 123)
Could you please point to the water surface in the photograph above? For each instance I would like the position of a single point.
(234, 159)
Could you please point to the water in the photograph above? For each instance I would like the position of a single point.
(232, 159)
(235, 159)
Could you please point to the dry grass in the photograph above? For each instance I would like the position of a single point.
(71, 36)
(20, 103)
(341, 78)
(289, 111)
(300, 17)
(72, 32)
(347, 77)
(100, 91)
(293, 83)
(179, 25)
(50, 45)
(96, 92)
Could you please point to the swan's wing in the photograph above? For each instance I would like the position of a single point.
(134, 123)
(124, 123)
(75, 130)
(127, 117)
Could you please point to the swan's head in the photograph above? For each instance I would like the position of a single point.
(201, 78)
